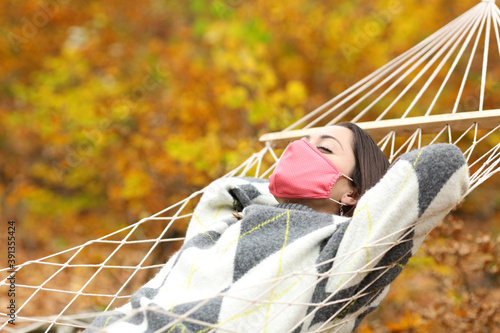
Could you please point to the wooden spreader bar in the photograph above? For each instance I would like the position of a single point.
(405, 126)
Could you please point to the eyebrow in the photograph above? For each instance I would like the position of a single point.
(326, 136)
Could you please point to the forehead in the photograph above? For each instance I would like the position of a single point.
(343, 134)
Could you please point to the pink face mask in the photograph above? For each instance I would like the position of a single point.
(303, 172)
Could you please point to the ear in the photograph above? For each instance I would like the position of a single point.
(350, 197)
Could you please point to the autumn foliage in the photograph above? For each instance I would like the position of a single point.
(112, 110)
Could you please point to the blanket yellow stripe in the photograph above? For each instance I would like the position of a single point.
(272, 297)
(178, 324)
(217, 213)
(198, 220)
(260, 305)
(255, 228)
(368, 218)
(280, 264)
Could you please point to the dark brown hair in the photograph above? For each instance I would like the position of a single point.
(371, 162)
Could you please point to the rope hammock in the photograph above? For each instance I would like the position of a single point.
(401, 105)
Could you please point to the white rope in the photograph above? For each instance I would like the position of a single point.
(496, 22)
(464, 80)
(415, 54)
(456, 37)
(461, 33)
(420, 58)
(368, 80)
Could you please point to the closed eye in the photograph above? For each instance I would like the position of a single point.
(324, 150)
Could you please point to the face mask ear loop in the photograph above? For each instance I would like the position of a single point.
(341, 209)
(348, 178)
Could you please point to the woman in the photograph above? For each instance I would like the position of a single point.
(347, 147)
(278, 256)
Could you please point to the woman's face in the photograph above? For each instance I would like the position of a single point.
(336, 144)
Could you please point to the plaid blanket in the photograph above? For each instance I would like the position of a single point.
(287, 268)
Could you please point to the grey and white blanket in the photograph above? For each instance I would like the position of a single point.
(286, 268)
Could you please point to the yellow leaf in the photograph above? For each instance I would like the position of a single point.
(296, 93)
